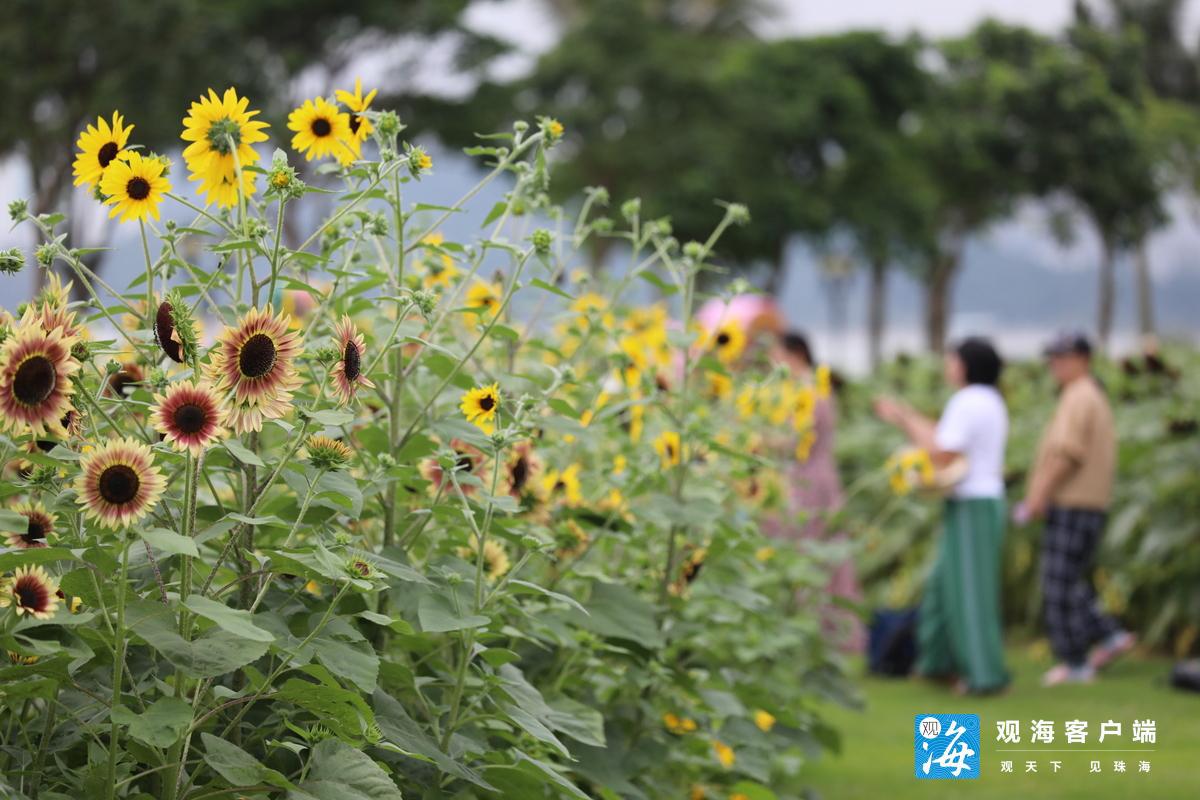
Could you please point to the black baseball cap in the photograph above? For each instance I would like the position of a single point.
(1069, 343)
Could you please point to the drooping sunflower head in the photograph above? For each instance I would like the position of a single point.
(495, 557)
(326, 453)
(39, 526)
(255, 360)
(35, 377)
(321, 130)
(480, 406)
(98, 147)
(218, 127)
(189, 415)
(134, 185)
(360, 126)
(118, 483)
(165, 334)
(347, 374)
(31, 591)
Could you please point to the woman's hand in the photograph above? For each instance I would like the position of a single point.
(889, 409)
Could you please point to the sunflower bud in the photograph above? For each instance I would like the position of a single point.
(282, 179)
(256, 228)
(693, 250)
(520, 126)
(45, 253)
(552, 128)
(425, 301)
(12, 260)
(631, 209)
(419, 161)
(388, 124)
(325, 453)
(542, 240)
(80, 352)
(18, 210)
(738, 213)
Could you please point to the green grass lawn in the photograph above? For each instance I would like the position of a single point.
(877, 759)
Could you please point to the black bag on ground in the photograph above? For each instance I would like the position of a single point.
(1186, 675)
(892, 642)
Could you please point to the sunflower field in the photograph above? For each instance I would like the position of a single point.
(377, 514)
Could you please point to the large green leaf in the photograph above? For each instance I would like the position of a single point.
(160, 725)
(337, 771)
(437, 614)
(403, 731)
(237, 766)
(617, 611)
(237, 621)
(217, 652)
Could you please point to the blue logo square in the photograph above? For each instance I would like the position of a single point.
(946, 746)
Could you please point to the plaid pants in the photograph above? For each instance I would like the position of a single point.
(1074, 620)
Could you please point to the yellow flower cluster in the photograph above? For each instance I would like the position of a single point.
(909, 469)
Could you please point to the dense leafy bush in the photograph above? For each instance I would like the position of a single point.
(404, 538)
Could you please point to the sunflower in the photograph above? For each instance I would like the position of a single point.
(439, 266)
(217, 128)
(727, 342)
(31, 591)
(328, 454)
(667, 445)
(347, 374)
(563, 487)
(35, 377)
(522, 469)
(254, 360)
(135, 186)
(98, 147)
(322, 130)
(360, 126)
(125, 380)
(165, 334)
(189, 416)
(53, 310)
(484, 298)
(118, 483)
(469, 460)
(480, 406)
(718, 385)
(38, 529)
(495, 559)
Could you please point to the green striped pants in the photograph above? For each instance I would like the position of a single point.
(958, 631)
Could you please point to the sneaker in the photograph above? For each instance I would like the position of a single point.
(1065, 673)
(1112, 648)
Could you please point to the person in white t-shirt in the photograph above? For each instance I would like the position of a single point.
(959, 635)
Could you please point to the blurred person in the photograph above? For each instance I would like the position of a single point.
(1071, 487)
(814, 491)
(959, 634)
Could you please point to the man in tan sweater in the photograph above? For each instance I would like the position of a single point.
(1071, 486)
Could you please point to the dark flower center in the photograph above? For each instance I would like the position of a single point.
(362, 568)
(107, 154)
(46, 445)
(35, 380)
(119, 484)
(35, 533)
(190, 418)
(257, 356)
(121, 381)
(321, 127)
(520, 474)
(464, 462)
(722, 339)
(352, 361)
(164, 328)
(355, 123)
(31, 594)
(487, 402)
(137, 189)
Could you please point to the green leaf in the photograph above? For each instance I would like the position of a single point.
(234, 620)
(237, 766)
(34, 555)
(332, 417)
(541, 284)
(403, 731)
(243, 453)
(437, 614)
(617, 611)
(341, 710)
(338, 771)
(216, 652)
(160, 725)
(170, 542)
(582, 723)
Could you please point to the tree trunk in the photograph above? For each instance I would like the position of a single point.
(1108, 289)
(876, 311)
(1145, 289)
(937, 300)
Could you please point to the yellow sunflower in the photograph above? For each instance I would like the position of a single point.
(321, 130)
(360, 126)
(495, 559)
(480, 406)
(98, 147)
(134, 186)
(484, 298)
(668, 447)
(118, 483)
(439, 266)
(216, 129)
(563, 487)
(35, 378)
(727, 342)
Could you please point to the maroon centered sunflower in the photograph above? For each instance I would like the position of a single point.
(118, 483)
(522, 470)
(35, 377)
(347, 374)
(469, 460)
(39, 526)
(31, 591)
(190, 416)
(165, 335)
(254, 361)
